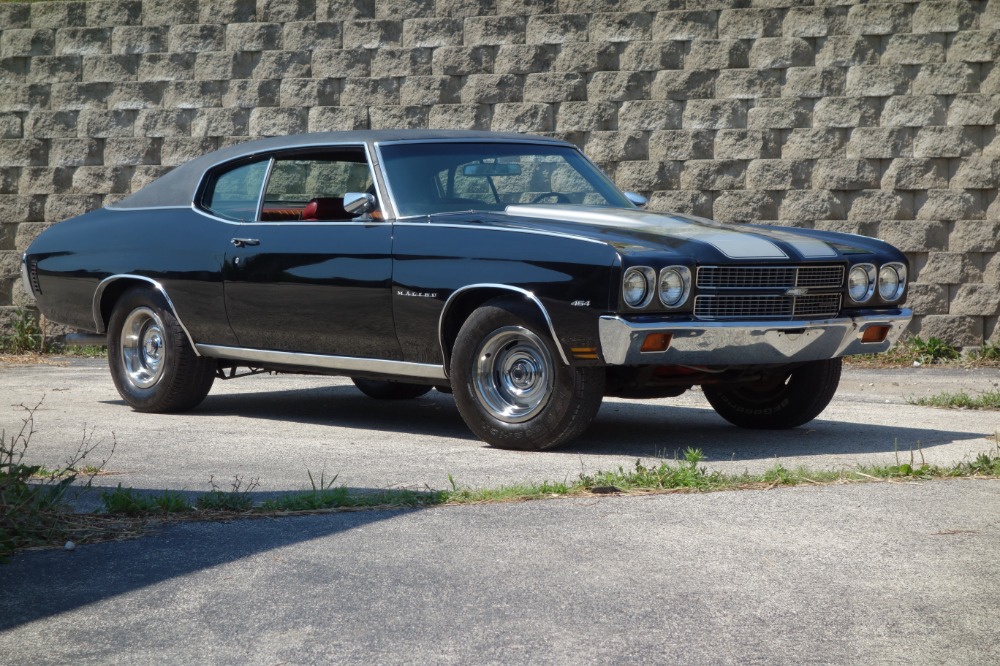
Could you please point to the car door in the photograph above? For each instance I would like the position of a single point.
(305, 276)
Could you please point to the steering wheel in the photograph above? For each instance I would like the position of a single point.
(559, 197)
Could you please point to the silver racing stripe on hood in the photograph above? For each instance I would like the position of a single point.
(731, 242)
(812, 248)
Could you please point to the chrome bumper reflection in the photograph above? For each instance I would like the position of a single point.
(729, 343)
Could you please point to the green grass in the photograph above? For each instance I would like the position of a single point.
(961, 400)
(26, 337)
(989, 352)
(35, 510)
(933, 351)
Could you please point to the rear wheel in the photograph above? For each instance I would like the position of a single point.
(382, 390)
(510, 385)
(783, 399)
(152, 363)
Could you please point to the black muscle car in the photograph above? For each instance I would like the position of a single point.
(505, 268)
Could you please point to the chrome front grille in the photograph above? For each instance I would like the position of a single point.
(770, 277)
(769, 292)
(756, 306)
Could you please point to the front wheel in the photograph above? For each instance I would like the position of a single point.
(152, 363)
(782, 399)
(510, 386)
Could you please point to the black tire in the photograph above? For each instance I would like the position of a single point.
(152, 363)
(510, 384)
(785, 399)
(381, 390)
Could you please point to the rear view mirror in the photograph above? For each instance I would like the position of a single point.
(491, 169)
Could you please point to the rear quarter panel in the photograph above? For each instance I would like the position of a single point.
(176, 247)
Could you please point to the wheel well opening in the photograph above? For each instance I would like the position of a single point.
(464, 305)
(116, 289)
(110, 297)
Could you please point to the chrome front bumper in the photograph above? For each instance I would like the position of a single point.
(746, 342)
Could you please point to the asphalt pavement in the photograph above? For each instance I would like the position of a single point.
(855, 573)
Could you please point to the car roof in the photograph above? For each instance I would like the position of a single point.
(177, 188)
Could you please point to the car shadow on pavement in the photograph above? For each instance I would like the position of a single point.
(648, 430)
(634, 429)
(45, 583)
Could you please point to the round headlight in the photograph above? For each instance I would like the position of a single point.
(635, 287)
(675, 281)
(890, 282)
(861, 282)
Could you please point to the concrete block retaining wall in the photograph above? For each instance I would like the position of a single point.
(877, 118)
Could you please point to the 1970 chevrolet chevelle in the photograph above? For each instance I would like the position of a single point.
(507, 269)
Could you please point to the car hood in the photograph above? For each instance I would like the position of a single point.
(634, 231)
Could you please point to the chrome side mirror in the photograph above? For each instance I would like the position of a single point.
(637, 199)
(359, 203)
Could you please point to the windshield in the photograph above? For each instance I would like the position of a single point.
(442, 177)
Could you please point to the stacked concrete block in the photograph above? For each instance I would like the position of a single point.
(868, 117)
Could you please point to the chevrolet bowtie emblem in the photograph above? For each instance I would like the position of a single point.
(797, 291)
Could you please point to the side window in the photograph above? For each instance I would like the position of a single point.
(233, 194)
(312, 187)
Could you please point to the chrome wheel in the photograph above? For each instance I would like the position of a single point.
(143, 349)
(513, 375)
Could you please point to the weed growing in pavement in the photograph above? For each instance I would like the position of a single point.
(126, 501)
(961, 400)
(33, 506)
(129, 502)
(237, 498)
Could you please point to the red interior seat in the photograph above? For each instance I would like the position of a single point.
(325, 208)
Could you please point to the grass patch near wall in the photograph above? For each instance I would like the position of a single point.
(917, 352)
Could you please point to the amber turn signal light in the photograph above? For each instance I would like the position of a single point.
(875, 334)
(656, 342)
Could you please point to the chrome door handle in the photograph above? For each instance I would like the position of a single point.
(245, 242)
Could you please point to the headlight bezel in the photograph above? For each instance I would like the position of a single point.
(899, 269)
(684, 275)
(871, 277)
(648, 277)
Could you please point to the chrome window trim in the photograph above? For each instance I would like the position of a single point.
(299, 223)
(345, 364)
(390, 197)
(103, 284)
(260, 195)
(118, 209)
(504, 287)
